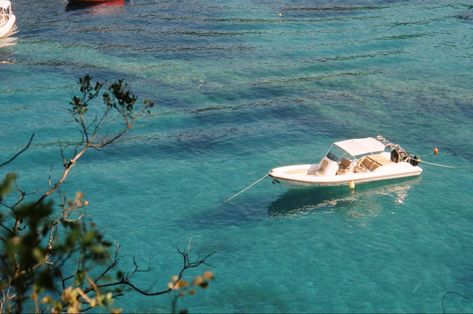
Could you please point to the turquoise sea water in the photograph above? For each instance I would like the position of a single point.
(241, 89)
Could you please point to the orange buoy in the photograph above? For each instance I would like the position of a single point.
(436, 151)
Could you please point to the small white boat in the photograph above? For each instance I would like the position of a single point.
(352, 162)
(7, 19)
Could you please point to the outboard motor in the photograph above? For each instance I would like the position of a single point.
(414, 160)
(395, 156)
(398, 155)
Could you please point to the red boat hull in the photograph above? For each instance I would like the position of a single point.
(95, 2)
(83, 4)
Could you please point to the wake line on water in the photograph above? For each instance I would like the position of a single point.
(348, 8)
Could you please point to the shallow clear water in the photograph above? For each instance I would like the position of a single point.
(240, 90)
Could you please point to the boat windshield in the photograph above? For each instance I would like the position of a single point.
(336, 153)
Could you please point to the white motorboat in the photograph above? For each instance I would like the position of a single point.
(7, 19)
(352, 162)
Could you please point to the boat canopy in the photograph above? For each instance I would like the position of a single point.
(361, 146)
(4, 4)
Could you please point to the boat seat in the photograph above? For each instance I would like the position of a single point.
(367, 164)
(322, 167)
(345, 163)
(359, 168)
(342, 171)
(296, 171)
(343, 166)
(312, 170)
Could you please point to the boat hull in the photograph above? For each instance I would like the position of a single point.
(83, 4)
(94, 1)
(8, 28)
(296, 176)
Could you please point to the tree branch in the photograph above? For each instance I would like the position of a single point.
(125, 280)
(451, 292)
(67, 169)
(19, 152)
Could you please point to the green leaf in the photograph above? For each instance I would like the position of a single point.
(7, 184)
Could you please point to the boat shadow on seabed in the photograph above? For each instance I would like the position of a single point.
(6, 55)
(302, 201)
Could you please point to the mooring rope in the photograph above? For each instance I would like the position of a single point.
(435, 153)
(252, 184)
(439, 165)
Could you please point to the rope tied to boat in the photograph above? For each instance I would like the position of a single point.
(435, 153)
(251, 185)
(439, 165)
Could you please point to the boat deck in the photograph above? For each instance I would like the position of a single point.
(372, 162)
